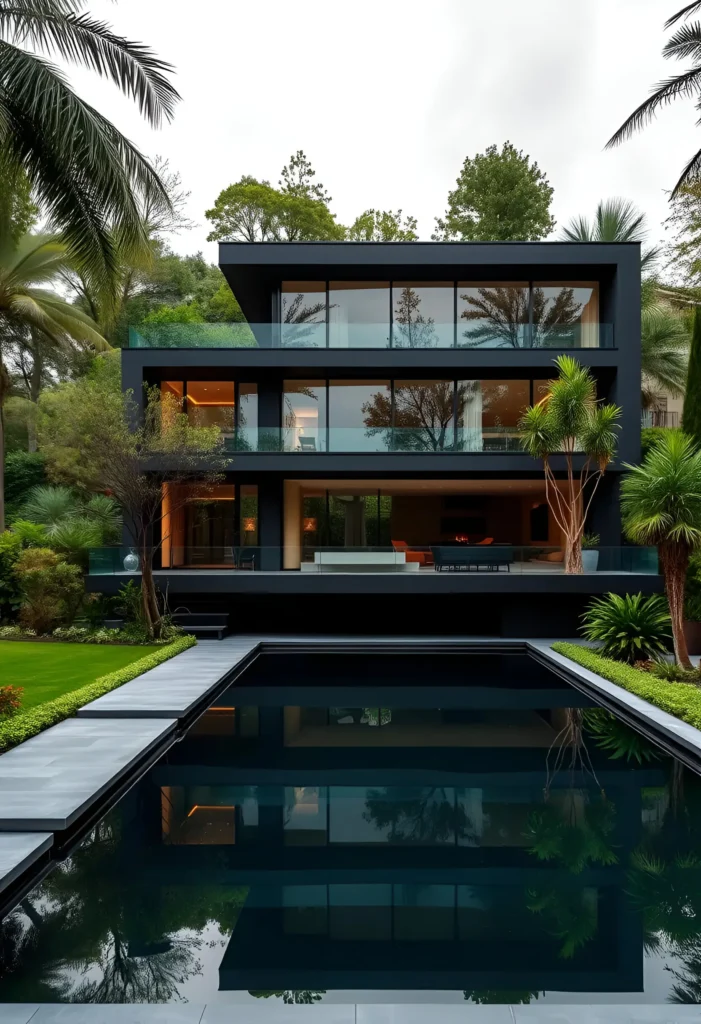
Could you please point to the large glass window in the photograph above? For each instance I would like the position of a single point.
(303, 314)
(359, 314)
(493, 315)
(209, 526)
(566, 315)
(424, 415)
(304, 416)
(489, 412)
(247, 426)
(423, 315)
(360, 415)
(210, 403)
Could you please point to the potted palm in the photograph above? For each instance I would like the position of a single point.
(661, 505)
(590, 554)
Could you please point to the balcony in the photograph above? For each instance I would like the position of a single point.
(659, 418)
(379, 336)
(376, 440)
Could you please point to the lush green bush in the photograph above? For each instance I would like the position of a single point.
(12, 544)
(51, 589)
(629, 627)
(649, 436)
(28, 723)
(680, 699)
(23, 470)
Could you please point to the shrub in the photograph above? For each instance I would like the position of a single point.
(591, 540)
(28, 723)
(23, 470)
(649, 436)
(673, 673)
(692, 590)
(680, 699)
(630, 627)
(10, 700)
(51, 589)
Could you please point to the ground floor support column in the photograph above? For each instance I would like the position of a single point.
(270, 511)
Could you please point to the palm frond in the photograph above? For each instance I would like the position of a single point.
(664, 348)
(661, 499)
(579, 229)
(684, 13)
(684, 84)
(690, 173)
(83, 40)
(686, 42)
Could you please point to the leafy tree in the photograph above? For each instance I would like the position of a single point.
(615, 220)
(83, 172)
(569, 420)
(691, 415)
(18, 211)
(106, 444)
(23, 471)
(664, 346)
(26, 267)
(683, 251)
(383, 226)
(254, 211)
(502, 314)
(500, 197)
(296, 179)
(686, 42)
(661, 504)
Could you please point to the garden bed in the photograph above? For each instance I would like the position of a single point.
(33, 720)
(683, 700)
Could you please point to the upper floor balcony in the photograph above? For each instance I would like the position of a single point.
(376, 315)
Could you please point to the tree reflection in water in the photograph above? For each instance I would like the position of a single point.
(421, 815)
(95, 933)
(290, 996)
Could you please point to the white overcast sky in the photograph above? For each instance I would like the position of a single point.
(387, 97)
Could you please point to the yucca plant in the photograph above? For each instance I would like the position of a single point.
(569, 421)
(628, 627)
(661, 505)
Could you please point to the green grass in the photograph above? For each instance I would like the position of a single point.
(680, 699)
(30, 721)
(47, 671)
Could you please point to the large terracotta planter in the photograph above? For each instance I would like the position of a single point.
(692, 632)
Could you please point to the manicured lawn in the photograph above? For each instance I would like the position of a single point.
(47, 671)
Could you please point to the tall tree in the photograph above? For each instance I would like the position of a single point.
(83, 172)
(683, 251)
(691, 415)
(296, 179)
(569, 421)
(383, 226)
(661, 505)
(664, 347)
(254, 211)
(499, 196)
(615, 220)
(685, 42)
(28, 308)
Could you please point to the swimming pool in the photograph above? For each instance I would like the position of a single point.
(381, 827)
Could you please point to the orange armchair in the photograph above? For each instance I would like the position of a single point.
(423, 558)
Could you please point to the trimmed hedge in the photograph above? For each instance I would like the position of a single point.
(26, 724)
(680, 699)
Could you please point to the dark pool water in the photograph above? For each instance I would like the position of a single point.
(430, 828)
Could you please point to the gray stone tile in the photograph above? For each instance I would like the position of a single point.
(48, 781)
(17, 1013)
(141, 1013)
(609, 1014)
(426, 1013)
(18, 851)
(274, 1011)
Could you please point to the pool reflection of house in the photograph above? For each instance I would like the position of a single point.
(374, 865)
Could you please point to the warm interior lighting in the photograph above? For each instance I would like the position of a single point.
(309, 524)
(212, 807)
(249, 524)
(462, 538)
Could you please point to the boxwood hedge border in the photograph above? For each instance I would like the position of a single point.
(26, 724)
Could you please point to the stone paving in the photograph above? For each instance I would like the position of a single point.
(18, 851)
(47, 782)
(274, 1012)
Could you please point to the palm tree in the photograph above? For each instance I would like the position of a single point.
(84, 173)
(664, 346)
(26, 266)
(615, 220)
(569, 421)
(686, 42)
(661, 504)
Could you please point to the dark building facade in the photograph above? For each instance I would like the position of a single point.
(369, 409)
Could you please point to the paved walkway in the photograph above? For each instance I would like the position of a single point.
(47, 782)
(18, 851)
(273, 1011)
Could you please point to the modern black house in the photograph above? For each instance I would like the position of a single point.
(369, 409)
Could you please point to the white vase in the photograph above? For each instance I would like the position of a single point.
(590, 559)
(131, 561)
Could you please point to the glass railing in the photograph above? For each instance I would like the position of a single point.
(445, 556)
(476, 335)
(368, 440)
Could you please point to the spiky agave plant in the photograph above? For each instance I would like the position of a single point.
(628, 627)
